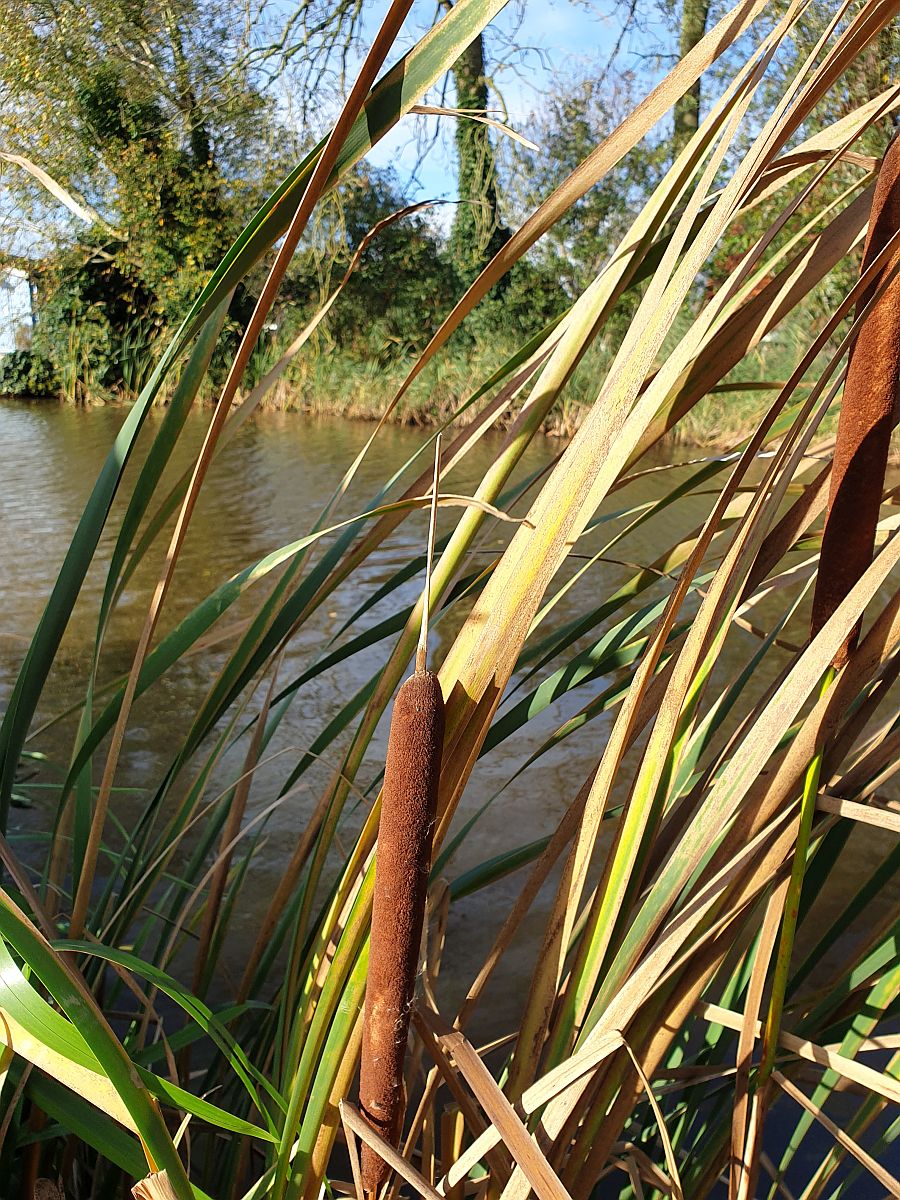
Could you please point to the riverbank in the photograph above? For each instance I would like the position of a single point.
(718, 423)
(328, 381)
(335, 385)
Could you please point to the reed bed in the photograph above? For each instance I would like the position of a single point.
(688, 997)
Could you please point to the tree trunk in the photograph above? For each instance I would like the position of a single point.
(477, 231)
(694, 14)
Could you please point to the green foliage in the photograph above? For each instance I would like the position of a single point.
(571, 122)
(92, 310)
(150, 119)
(872, 72)
(478, 231)
(405, 278)
(168, 191)
(27, 373)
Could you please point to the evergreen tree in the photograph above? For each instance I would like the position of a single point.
(694, 15)
(478, 231)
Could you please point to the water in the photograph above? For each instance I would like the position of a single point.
(265, 490)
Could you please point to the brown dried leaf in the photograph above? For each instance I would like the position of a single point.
(154, 1187)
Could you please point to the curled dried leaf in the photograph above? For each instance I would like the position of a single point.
(154, 1187)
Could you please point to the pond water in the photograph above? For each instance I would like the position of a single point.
(265, 490)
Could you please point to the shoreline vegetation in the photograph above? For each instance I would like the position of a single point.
(705, 431)
(721, 422)
(328, 382)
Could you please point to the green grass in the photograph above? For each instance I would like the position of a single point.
(333, 382)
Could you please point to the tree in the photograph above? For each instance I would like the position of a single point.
(327, 32)
(478, 231)
(404, 271)
(694, 15)
(148, 121)
(86, 90)
(575, 118)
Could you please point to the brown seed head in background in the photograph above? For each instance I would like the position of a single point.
(871, 394)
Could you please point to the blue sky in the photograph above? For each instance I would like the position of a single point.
(554, 38)
(15, 308)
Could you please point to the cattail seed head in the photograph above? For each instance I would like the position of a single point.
(871, 399)
(408, 808)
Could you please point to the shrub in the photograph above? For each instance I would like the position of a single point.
(27, 373)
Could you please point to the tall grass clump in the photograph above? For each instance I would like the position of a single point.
(693, 1010)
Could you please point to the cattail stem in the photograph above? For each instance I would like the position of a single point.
(422, 648)
(792, 907)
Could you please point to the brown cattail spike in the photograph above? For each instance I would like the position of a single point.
(409, 804)
(871, 396)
